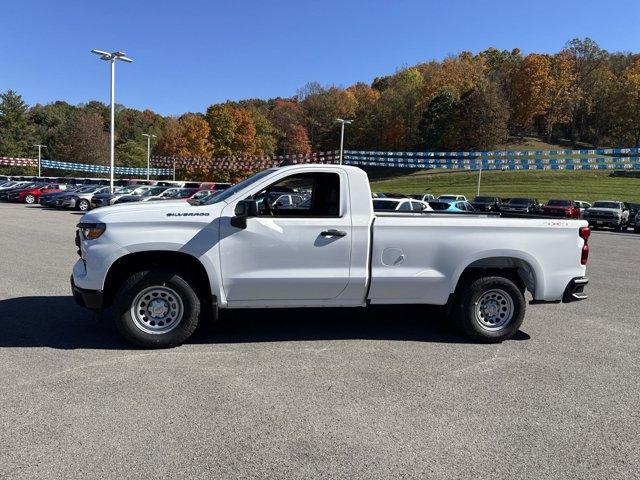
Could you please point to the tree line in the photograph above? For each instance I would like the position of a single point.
(582, 95)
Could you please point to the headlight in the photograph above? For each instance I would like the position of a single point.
(91, 231)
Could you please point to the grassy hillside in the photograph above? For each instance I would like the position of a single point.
(575, 185)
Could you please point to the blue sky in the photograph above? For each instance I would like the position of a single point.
(189, 54)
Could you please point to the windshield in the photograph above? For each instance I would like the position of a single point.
(123, 190)
(154, 191)
(140, 190)
(559, 203)
(224, 194)
(519, 201)
(615, 205)
(384, 205)
(87, 189)
(201, 194)
(448, 197)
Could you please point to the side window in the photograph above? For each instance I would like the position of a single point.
(304, 195)
(417, 206)
(405, 207)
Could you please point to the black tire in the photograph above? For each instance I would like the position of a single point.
(129, 326)
(83, 205)
(470, 294)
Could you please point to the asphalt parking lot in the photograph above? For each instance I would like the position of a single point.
(383, 393)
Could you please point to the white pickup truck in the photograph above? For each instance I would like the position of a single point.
(162, 266)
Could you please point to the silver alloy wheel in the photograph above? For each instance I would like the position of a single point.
(157, 310)
(83, 205)
(494, 309)
(29, 199)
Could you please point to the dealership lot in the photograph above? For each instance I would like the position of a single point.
(333, 394)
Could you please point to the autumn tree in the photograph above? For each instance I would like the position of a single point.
(531, 90)
(322, 106)
(87, 139)
(194, 131)
(399, 109)
(562, 91)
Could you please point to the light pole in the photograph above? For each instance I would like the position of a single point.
(112, 57)
(479, 177)
(40, 147)
(149, 137)
(342, 122)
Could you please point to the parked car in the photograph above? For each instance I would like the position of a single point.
(400, 205)
(449, 196)
(633, 208)
(636, 225)
(4, 193)
(561, 208)
(487, 204)
(148, 193)
(522, 205)
(109, 198)
(608, 213)
(81, 198)
(49, 199)
(427, 197)
(11, 184)
(202, 195)
(159, 269)
(582, 206)
(174, 194)
(32, 195)
(451, 206)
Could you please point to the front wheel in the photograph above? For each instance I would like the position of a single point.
(83, 205)
(157, 309)
(30, 199)
(490, 309)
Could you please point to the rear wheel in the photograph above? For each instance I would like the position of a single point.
(83, 205)
(489, 309)
(30, 199)
(157, 309)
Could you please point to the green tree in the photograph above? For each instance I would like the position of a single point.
(222, 127)
(16, 131)
(479, 121)
(435, 119)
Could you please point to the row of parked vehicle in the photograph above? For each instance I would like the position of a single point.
(601, 214)
(85, 194)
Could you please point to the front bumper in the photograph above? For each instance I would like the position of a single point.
(604, 222)
(91, 299)
(575, 290)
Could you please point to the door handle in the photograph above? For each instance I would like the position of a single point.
(333, 233)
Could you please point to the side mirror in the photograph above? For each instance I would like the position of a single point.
(244, 209)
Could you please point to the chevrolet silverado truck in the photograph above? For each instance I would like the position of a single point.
(161, 267)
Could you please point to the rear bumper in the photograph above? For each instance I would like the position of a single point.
(575, 290)
(91, 299)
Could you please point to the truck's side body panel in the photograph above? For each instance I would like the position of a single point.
(419, 258)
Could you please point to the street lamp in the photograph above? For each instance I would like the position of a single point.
(40, 147)
(342, 122)
(479, 177)
(112, 57)
(149, 137)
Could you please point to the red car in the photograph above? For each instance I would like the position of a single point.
(32, 195)
(561, 208)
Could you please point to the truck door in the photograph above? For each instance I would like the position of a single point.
(290, 251)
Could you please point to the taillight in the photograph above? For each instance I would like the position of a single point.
(584, 233)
